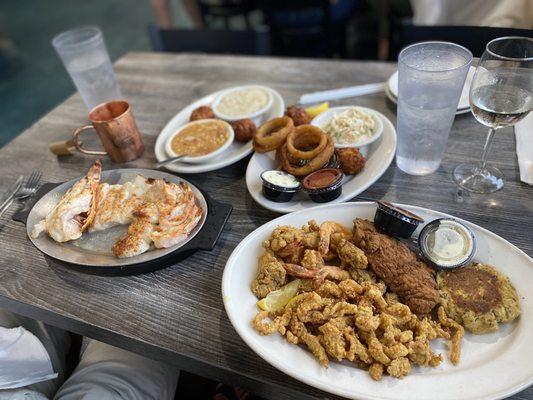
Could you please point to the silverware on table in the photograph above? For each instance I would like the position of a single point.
(30, 187)
(12, 191)
(169, 161)
(342, 93)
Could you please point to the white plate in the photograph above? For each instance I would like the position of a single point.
(237, 151)
(492, 366)
(378, 156)
(322, 119)
(463, 106)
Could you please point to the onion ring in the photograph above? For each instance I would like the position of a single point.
(305, 136)
(272, 134)
(312, 165)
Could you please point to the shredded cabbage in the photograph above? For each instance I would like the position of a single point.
(350, 126)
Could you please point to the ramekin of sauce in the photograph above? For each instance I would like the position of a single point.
(395, 221)
(200, 140)
(323, 185)
(447, 243)
(279, 186)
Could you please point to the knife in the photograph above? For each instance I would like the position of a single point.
(12, 190)
(342, 93)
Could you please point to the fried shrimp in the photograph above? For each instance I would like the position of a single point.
(326, 230)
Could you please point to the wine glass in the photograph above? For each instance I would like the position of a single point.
(500, 96)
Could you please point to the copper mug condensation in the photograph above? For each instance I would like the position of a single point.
(117, 130)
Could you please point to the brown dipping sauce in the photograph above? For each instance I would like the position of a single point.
(400, 210)
(322, 178)
(200, 139)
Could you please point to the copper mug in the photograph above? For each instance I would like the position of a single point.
(117, 130)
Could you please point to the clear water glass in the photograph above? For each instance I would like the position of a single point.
(431, 76)
(84, 54)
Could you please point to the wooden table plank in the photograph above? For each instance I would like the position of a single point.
(176, 314)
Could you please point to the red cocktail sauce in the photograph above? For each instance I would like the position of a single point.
(322, 178)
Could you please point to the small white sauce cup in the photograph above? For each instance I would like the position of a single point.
(322, 119)
(207, 157)
(255, 116)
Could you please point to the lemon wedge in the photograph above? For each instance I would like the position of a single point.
(313, 111)
(279, 298)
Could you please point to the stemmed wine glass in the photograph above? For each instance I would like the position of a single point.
(500, 96)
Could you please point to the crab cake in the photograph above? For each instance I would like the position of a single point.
(478, 297)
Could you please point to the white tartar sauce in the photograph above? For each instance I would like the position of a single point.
(449, 244)
(280, 178)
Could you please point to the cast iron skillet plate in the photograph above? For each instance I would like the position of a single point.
(94, 249)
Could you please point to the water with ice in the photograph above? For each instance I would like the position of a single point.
(94, 78)
(429, 91)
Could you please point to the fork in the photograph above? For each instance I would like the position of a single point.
(28, 190)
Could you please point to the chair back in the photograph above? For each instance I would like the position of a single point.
(473, 38)
(305, 35)
(255, 42)
(226, 9)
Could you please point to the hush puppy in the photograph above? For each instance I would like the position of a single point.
(351, 160)
(202, 112)
(244, 129)
(298, 115)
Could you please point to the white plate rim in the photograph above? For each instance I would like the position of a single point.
(219, 161)
(331, 388)
(389, 133)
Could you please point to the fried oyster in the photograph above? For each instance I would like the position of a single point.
(343, 311)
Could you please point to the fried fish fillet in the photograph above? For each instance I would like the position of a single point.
(478, 297)
(398, 266)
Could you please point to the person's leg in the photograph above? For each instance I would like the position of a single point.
(56, 342)
(163, 13)
(195, 14)
(107, 372)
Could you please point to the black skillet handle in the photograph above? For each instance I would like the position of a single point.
(21, 215)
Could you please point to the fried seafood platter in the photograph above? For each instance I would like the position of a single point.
(325, 297)
(117, 217)
(312, 169)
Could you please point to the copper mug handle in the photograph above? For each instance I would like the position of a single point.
(78, 146)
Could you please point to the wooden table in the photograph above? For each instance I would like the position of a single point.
(176, 315)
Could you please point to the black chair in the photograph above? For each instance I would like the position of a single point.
(473, 38)
(226, 9)
(254, 42)
(322, 38)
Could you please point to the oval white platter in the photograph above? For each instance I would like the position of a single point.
(378, 154)
(235, 152)
(492, 366)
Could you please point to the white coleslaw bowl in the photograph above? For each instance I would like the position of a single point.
(322, 119)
